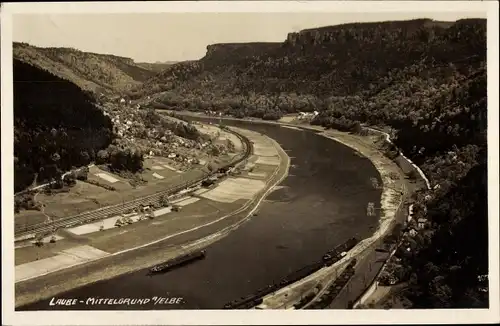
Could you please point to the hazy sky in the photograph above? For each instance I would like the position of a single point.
(181, 36)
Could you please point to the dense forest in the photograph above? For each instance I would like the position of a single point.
(317, 68)
(56, 126)
(448, 268)
(424, 79)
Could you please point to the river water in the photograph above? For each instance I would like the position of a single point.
(322, 204)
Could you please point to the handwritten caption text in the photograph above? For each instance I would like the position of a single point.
(116, 301)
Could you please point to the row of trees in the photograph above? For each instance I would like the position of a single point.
(121, 158)
(184, 129)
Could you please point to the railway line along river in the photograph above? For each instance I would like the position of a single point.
(320, 205)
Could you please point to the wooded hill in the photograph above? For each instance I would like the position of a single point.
(345, 60)
(99, 73)
(56, 126)
(424, 79)
(58, 110)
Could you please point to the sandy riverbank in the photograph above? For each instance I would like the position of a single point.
(391, 199)
(393, 192)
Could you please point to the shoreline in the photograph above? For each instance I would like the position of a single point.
(363, 145)
(287, 297)
(147, 255)
(384, 225)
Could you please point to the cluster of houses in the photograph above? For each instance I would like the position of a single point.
(213, 113)
(414, 226)
(129, 126)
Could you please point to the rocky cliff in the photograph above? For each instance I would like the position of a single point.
(350, 59)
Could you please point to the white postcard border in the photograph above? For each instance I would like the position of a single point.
(214, 317)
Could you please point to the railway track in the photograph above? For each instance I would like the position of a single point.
(108, 211)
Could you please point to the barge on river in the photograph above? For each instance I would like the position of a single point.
(177, 262)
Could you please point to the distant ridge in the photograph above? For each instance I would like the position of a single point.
(98, 73)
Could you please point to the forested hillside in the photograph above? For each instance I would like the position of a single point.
(98, 73)
(310, 69)
(56, 126)
(424, 79)
(70, 110)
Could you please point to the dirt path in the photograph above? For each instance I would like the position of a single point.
(42, 208)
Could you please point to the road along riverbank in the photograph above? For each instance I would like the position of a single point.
(319, 206)
(395, 190)
(174, 233)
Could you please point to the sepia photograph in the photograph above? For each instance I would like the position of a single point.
(161, 159)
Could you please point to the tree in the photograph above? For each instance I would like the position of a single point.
(164, 202)
(230, 146)
(82, 174)
(70, 179)
(85, 157)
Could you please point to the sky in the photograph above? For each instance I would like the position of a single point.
(152, 37)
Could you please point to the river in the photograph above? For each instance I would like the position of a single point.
(322, 204)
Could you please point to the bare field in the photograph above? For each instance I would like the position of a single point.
(105, 177)
(57, 206)
(32, 253)
(263, 168)
(164, 174)
(233, 189)
(162, 164)
(28, 254)
(143, 232)
(28, 217)
(65, 258)
(288, 118)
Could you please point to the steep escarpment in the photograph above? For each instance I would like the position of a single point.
(352, 59)
(99, 73)
(56, 126)
(236, 54)
(422, 80)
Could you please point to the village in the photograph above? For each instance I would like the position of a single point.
(158, 139)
